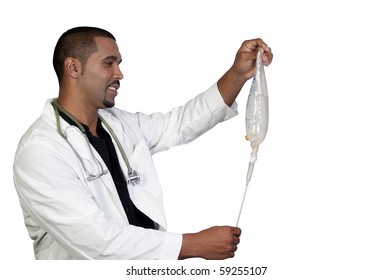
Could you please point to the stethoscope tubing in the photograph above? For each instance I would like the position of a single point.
(133, 176)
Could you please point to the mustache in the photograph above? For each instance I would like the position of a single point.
(116, 82)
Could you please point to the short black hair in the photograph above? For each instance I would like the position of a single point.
(78, 43)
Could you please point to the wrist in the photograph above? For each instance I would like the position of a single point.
(189, 247)
(229, 85)
(236, 78)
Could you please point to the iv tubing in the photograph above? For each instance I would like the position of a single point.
(242, 204)
(251, 165)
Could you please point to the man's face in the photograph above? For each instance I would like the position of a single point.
(101, 75)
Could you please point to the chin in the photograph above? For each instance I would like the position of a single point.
(108, 104)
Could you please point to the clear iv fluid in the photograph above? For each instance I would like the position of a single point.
(256, 117)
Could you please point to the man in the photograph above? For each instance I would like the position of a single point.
(84, 172)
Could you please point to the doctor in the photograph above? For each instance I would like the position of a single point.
(84, 171)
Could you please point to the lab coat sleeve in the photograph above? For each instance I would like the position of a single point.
(185, 123)
(61, 206)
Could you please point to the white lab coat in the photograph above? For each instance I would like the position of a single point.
(69, 217)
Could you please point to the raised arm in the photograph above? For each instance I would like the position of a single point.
(243, 68)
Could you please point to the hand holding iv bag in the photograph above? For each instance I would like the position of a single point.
(256, 117)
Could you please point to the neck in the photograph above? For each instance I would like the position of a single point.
(84, 114)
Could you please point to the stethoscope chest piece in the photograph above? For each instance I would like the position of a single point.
(133, 177)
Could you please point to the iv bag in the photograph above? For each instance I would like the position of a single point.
(256, 117)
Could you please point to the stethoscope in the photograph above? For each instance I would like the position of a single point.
(133, 176)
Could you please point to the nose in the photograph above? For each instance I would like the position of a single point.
(118, 75)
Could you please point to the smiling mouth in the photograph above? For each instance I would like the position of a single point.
(114, 86)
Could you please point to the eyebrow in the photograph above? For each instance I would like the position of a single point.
(112, 58)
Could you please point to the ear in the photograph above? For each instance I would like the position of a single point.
(72, 67)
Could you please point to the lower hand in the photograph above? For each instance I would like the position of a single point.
(215, 243)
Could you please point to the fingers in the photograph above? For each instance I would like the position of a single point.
(267, 56)
(231, 252)
(253, 44)
(267, 52)
(235, 240)
(236, 231)
(215, 243)
(230, 238)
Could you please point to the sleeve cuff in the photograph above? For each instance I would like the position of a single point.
(172, 246)
(216, 102)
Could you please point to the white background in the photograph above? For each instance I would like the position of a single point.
(319, 203)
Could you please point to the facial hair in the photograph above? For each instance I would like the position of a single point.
(107, 103)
